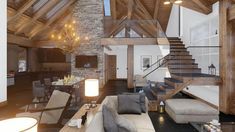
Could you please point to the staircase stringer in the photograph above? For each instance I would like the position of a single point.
(177, 90)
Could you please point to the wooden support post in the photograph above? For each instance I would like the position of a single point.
(130, 61)
(227, 62)
(130, 66)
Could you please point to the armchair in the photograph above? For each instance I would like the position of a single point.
(139, 82)
(53, 112)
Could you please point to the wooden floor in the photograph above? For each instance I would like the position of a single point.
(161, 122)
(22, 95)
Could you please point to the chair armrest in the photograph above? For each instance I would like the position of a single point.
(49, 109)
(44, 102)
(33, 103)
(55, 108)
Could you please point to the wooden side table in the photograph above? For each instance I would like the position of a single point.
(152, 105)
(82, 111)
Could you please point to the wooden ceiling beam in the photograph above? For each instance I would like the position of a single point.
(48, 6)
(55, 27)
(139, 30)
(113, 9)
(128, 41)
(53, 18)
(204, 6)
(21, 10)
(156, 9)
(117, 26)
(130, 9)
(18, 40)
(145, 11)
(231, 13)
(148, 26)
(107, 47)
(14, 24)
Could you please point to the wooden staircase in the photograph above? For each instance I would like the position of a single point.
(184, 72)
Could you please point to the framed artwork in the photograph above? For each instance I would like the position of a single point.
(146, 61)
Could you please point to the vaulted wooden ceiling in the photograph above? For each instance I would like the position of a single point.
(34, 20)
(152, 10)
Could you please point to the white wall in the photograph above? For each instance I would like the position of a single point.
(157, 52)
(208, 93)
(173, 23)
(189, 19)
(3, 50)
(141, 50)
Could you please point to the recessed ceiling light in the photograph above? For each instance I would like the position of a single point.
(167, 2)
(178, 1)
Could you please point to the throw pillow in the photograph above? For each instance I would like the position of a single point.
(129, 104)
(109, 119)
(124, 125)
(142, 100)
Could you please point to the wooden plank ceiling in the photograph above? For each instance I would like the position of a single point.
(36, 19)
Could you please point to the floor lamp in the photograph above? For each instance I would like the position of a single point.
(91, 90)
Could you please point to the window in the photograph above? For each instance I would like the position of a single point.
(107, 8)
(22, 60)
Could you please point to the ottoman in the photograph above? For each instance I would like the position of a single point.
(190, 110)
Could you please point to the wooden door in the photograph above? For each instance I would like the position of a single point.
(111, 67)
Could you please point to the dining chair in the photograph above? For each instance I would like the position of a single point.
(49, 89)
(55, 78)
(38, 90)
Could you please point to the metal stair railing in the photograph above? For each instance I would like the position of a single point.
(161, 62)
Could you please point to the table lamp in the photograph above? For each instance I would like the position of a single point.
(91, 90)
(19, 124)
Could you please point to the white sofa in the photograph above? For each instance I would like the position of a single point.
(190, 110)
(142, 122)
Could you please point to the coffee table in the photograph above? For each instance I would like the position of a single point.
(82, 111)
(224, 127)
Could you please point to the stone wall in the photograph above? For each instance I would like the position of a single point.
(89, 16)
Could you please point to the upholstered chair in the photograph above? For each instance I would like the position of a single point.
(53, 111)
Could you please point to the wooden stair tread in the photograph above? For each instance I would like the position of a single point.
(173, 80)
(194, 75)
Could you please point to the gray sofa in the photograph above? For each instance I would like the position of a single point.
(142, 122)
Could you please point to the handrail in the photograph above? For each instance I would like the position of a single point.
(156, 62)
(160, 65)
(203, 47)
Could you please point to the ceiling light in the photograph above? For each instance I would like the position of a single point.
(167, 2)
(178, 1)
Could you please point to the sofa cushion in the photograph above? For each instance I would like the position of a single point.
(96, 124)
(125, 125)
(190, 107)
(142, 100)
(129, 104)
(142, 122)
(109, 119)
